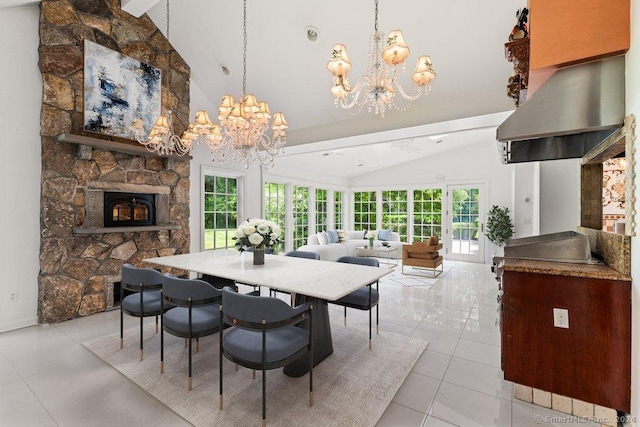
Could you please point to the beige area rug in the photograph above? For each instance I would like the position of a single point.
(352, 387)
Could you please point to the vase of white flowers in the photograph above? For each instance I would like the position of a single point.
(258, 235)
(370, 235)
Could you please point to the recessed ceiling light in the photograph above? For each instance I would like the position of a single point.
(360, 164)
(312, 33)
(224, 69)
(325, 154)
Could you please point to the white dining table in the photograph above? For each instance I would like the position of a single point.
(326, 280)
(316, 281)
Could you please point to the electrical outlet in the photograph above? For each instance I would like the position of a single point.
(13, 295)
(561, 318)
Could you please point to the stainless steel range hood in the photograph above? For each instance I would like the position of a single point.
(572, 112)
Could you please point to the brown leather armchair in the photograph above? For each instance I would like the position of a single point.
(423, 255)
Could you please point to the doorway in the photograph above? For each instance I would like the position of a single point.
(464, 223)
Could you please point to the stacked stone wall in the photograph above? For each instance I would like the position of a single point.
(75, 269)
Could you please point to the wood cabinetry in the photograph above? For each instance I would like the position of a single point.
(591, 359)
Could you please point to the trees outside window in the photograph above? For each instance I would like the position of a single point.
(275, 208)
(364, 210)
(427, 213)
(394, 212)
(321, 210)
(300, 216)
(338, 209)
(220, 207)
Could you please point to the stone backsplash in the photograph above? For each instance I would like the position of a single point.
(77, 271)
(615, 249)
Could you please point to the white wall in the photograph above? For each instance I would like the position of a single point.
(526, 200)
(252, 189)
(633, 107)
(20, 166)
(559, 195)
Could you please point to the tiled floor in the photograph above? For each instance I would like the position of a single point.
(47, 378)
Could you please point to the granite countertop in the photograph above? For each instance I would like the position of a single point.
(594, 271)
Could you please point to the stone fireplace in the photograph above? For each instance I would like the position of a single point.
(80, 258)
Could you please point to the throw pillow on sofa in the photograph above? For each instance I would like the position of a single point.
(384, 235)
(342, 236)
(322, 238)
(332, 236)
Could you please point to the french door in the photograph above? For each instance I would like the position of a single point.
(465, 227)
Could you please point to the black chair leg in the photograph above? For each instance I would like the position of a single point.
(141, 337)
(121, 328)
(220, 358)
(345, 316)
(264, 396)
(369, 328)
(311, 357)
(161, 344)
(156, 324)
(189, 363)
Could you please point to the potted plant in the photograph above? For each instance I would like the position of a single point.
(499, 226)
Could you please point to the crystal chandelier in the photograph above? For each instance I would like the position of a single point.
(161, 138)
(378, 87)
(242, 134)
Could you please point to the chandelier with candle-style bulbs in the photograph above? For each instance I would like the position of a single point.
(242, 135)
(161, 138)
(378, 88)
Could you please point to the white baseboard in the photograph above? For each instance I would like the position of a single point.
(18, 324)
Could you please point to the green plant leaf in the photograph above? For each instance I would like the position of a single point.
(499, 225)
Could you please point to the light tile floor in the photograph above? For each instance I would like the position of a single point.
(47, 378)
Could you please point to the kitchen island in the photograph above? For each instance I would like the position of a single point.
(566, 329)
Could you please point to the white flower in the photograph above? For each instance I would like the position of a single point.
(255, 239)
(239, 233)
(275, 228)
(262, 228)
(370, 235)
(274, 236)
(255, 221)
(248, 229)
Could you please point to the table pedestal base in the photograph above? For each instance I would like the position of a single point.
(322, 343)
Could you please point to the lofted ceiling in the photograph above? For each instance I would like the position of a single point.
(465, 39)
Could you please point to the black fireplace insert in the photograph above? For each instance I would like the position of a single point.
(129, 209)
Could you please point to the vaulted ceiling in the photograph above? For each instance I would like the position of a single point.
(465, 39)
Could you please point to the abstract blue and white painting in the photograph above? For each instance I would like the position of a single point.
(119, 90)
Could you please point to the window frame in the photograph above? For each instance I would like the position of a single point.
(241, 183)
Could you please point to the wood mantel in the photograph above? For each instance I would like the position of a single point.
(120, 147)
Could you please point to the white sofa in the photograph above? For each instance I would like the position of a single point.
(354, 239)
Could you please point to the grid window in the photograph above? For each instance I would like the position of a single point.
(300, 216)
(364, 210)
(220, 211)
(275, 208)
(394, 212)
(427, 213)
(338, 209)
(321, 210)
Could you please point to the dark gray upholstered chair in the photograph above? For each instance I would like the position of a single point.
(303, 254)
(296, 254)
(264, 336)
(364, 298)
(196, 313)
(145, 283)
